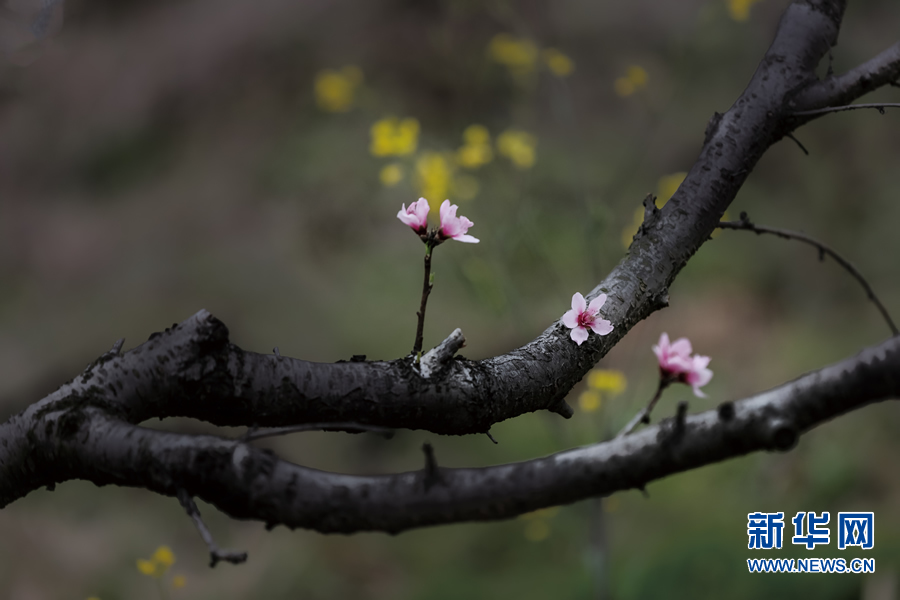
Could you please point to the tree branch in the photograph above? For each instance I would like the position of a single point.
(746, 225)
(88, 428)
(840, 90)
(249, 483)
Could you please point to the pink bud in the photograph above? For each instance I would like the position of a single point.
(675, 361)
(416, 216)
(455, 227)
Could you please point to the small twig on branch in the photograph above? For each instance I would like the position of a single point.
(491, 437)
(442, 353)
(432, 472)
(216, 554)
(644, 415)
(117, 348)
(257, 434)
(831, 109)
(799, 144)
(745, 224)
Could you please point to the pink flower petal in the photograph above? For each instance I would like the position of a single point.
(570, 319)
(578, 303)
(466, 238)
(579, 335)
(681, 347)
(601, 326)
(597, 303)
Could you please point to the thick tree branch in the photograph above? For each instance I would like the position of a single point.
(249, 483)
(193, 371)
(88, 428)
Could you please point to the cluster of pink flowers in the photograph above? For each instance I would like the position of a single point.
(584, 316)
(676, 362)
(452, 227)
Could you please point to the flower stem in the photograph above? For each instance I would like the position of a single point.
(427, 284)
(644, 415)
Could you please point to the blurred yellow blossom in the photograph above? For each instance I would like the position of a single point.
(635, 78)
(537, 528)
(537, 531)
(93, 598)
(393, 137)
(518, 55)
(518, 146)
(391, 174)
(740, 9)
(476, 134)
(158, 564)
(477, 148)
(179, 581)
(589, 400)
(435, 173)
(607, 380)
(558, 63)
(335, 90)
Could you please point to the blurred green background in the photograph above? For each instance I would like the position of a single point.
(157, 158)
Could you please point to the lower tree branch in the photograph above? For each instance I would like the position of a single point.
(249, 483)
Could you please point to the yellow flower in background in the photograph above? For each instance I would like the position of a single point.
(537, 529)
(392, 174)
(558, 63)
(518, 55)
(476, 134)
(518, 146)
(158, 564)
(635, 79)
(435, 174)
(589, 400)
(477, 148)
(335, 90)
(740, 9)
(179, 581)
(607, 381)
(392, 137)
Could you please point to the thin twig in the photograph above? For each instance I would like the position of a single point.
(492, 437)
(821, 111)
(796, 141)
(257, 434)
(745, 224)
(644, 415)
(426, 290)
(216, 554)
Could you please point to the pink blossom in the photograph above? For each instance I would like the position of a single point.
(583, 316)
(453, 226)
(675, 361)
(698, 375)
(674, 358)
(416, 216)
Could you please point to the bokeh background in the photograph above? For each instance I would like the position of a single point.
(249, 158)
